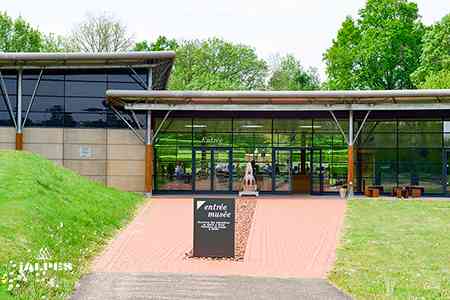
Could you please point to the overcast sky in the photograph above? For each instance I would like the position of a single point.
(304, 28)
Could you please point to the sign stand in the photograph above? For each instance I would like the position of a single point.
(214, 227)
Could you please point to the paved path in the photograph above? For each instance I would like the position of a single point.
(136, 286)
(290, 237)
(290, 249)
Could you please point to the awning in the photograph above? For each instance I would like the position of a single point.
(159, 61)
(280, 100)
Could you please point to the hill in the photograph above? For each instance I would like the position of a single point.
(52, 221)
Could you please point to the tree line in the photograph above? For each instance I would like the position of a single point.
(385, 47)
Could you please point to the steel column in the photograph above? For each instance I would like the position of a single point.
(148, 155)
(350, 170)
(149, 143)
(339, 126)
(19, 134)
(33, 97)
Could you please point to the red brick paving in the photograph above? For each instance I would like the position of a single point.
(291, 236)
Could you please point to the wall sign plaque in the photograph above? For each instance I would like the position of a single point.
(85, 152)
(214, 226)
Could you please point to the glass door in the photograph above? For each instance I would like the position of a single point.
(201, 171)
(222, 170)
(317, 171)
(212, 171)
(282, 170)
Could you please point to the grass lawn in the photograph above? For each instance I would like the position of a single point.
(44, 206)
(395, 250)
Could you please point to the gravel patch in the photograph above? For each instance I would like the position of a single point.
(245, 210)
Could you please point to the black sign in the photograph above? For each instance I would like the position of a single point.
(214, 223)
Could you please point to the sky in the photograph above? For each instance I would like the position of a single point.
(303, 28)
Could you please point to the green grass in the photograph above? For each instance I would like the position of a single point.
(395, 250)
(46, 206)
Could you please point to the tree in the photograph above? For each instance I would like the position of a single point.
(288, 74)
(100, 33)
(54, 43)
(162, 43)
(378, 51)
(434, 69)
(215, 64)
(341, 57)
(18, 35)
(437, 80)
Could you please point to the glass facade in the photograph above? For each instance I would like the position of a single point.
(210, 154)
(70, 98)
(404, 152)
(195, 152)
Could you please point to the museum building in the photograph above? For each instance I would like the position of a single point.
(108, 116)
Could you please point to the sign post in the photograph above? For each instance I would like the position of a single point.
(214, 227)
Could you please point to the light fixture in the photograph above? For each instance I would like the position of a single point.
(312, 126)
(251, 126)
(195, 126)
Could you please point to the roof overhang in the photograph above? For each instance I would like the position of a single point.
(160, 62)
(281, 100)
(12, 60)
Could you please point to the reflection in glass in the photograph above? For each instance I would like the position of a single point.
(203, 170)
(222, 170)
(283, 168)
(173, 168)
(261, 160)
(85, 89)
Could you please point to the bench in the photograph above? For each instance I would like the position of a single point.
(408, 191)
(374, 191)
(415, 191)
(400, 192)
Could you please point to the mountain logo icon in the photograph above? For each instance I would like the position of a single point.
(44, 254)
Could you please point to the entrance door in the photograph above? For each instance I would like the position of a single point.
(293, 170)
(282, 170)
(211, 169)
(317, 171)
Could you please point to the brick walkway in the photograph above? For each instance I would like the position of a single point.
(291, 237)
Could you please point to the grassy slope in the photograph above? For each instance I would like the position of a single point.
(395, 250)
(44, 205)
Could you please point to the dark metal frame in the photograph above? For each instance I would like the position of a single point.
(212, 170)
(310, 152)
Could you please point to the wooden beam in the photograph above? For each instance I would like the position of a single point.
(19, 141)
(350, 169)
(148, 168)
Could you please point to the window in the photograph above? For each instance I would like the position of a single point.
(45, 88)
(5, 119)
(85, 89)
(44, 104)
(90, 120)
(83, 104)
(42, 119)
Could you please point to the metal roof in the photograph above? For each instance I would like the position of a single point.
(281, 100)
(160, 61)
(27, 59)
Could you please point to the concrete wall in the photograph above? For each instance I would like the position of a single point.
(47, 142)
(114, 157)
(125, 165)
(7, 138)
(85, 152)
